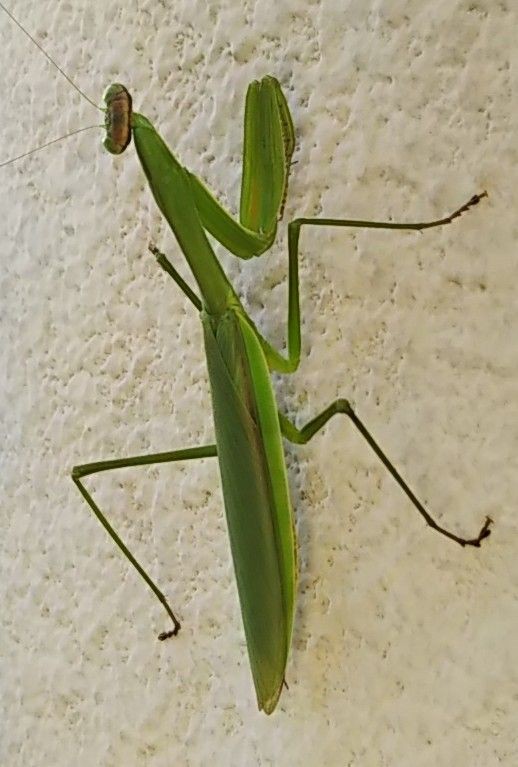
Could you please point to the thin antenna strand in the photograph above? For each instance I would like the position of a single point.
(48, 143)
(36, 43)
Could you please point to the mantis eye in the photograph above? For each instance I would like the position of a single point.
(117, 118)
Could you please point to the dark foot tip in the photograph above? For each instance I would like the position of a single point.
(168, 634)
(484, 533)
(477, 197)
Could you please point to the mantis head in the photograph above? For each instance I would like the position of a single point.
(117, 118)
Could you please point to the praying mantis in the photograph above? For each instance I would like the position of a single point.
(249, 426)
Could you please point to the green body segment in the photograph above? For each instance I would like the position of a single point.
(255, 491)
(249, 443)
(230, 233)
(269, 142)
(171, 186)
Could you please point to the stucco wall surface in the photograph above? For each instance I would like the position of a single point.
(404, 651)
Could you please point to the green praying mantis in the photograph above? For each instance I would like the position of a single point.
(249, 427)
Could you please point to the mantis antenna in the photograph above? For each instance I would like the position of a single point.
(36, 43)
(48, 143)
(67, 78)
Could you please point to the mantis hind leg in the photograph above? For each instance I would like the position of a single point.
(84, 470)
(303, 435)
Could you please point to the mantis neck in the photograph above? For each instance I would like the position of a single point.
(171, 187)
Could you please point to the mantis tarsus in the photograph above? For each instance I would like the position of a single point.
(248, 425)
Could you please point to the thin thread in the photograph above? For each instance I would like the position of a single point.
(48, 143)
(36, 43)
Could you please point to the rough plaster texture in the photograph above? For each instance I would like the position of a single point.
(405, 648)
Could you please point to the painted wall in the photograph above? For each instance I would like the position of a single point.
(405, 648)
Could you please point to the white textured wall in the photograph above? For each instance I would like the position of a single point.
(405, 649)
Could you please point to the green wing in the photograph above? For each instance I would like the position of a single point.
(256, 496)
